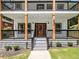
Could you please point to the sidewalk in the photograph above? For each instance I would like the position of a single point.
(39, 55)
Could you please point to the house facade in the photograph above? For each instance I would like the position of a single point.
(24, 28)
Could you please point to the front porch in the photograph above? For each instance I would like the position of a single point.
(22, 32)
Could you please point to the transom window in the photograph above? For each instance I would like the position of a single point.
(40, 6)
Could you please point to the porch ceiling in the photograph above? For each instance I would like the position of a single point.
(58, 16)
(65, 16)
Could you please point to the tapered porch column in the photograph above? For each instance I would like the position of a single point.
(26, 27)
(26, 21)
(0, 20)
(53, 21)
(0, 5)
(78, 21)
(0, 26)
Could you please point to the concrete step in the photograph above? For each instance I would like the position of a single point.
(40, 49)
(40, 44)
(40, 38)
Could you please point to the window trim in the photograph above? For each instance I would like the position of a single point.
(20, 8)
(59, 32)
(49, 8)
(60, 5)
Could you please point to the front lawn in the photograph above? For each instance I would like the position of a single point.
(64, 53)
(23, 55)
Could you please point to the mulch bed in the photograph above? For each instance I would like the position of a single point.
(4, 53)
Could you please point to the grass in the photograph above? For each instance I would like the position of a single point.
(19, 56)
(64, 53)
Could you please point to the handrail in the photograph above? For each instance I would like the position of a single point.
(47, 30)
(32, 43)
(47, 43)
(64, 30)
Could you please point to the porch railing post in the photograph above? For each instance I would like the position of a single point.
(26, 21)
(53, 21)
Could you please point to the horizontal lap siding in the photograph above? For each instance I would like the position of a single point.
(12, 43)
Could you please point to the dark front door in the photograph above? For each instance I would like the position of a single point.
(40, 30)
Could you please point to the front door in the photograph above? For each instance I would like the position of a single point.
(40, 30)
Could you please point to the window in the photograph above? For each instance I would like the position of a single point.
(60, 6)
(58, 27)
(40, 6)
(18, 6)
(49, 6)
(21, 28)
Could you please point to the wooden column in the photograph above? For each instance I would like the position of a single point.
(26, 27)
(0, 26)
(0, 5)
(78, 21)
(0, 20)
(26, 21)
(53, 21)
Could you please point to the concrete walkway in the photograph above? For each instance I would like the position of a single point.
(39, 55)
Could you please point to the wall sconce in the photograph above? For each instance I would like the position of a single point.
(32, 22)
(48, 22)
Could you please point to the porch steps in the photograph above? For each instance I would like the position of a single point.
(40, 44)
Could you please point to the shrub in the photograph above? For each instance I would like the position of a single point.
(70, 44)
(8, 48)
(77, 42)
(16, 48)
(58, 44)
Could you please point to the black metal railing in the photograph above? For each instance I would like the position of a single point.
(60, 34)
(64, 34)
(19, 5)
(6, 7)
(48, 43)
(75, 7)
(16, 34)
(12, 5)
(12, 34)
(32, 43)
